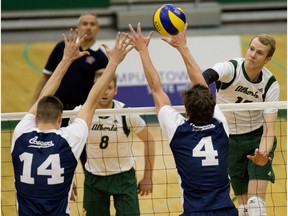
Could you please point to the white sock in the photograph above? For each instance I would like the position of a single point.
(256, 206)
(242, 210)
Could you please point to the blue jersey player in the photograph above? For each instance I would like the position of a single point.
(199, 142)
(44, 155)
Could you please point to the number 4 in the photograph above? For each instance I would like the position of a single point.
(54, 171)
(208, 152)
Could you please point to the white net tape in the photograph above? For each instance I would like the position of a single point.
(151, 110)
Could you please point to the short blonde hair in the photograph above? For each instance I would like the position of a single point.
(267, 40)
(99, 73)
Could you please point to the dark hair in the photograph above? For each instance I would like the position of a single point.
(267, 40)
(49, 109)
(199, 104)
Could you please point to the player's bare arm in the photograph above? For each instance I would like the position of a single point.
(179, 42)
(141, 45)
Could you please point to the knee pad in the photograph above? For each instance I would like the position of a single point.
(256, 206)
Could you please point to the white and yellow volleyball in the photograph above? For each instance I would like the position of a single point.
(169, 20)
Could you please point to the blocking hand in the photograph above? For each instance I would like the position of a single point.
(120, 49)
(72, 45)
(139, 41)
(178, 40)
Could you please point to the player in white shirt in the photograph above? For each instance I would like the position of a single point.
(109, 170)
(246, 80)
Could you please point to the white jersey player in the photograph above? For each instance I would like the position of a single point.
(252, 133)
(109, 170)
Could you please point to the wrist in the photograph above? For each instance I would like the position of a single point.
(182, 48)
(66, 60)
(145, 50)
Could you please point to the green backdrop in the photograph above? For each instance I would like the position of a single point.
(16, 5)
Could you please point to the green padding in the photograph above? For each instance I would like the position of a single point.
(8, 125)
(14, 5)
(282, 114)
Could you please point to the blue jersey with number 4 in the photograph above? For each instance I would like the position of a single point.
(44, 164)
(201, 158)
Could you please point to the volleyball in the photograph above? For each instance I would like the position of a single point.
(169, 20)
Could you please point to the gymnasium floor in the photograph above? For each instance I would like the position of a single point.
(24, 55)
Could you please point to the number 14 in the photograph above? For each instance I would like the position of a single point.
(55, 171)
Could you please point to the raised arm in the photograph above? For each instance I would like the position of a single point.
(179, 41)
(117, 54)
(141, 45)
(71, 53)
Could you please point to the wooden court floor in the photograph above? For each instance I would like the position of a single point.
(20, 70)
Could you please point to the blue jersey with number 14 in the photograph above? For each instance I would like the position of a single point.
(201, 157)
(44, 164)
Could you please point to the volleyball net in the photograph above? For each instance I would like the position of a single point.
(166, 197)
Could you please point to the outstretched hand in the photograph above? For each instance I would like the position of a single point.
(72, 45)
(259, 158)
(120, 49)
(138, 40)
(178, 40)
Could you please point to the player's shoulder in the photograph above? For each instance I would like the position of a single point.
(267, 73)
(237, 62)
(118, 104)
(77, 126)
(168, 112)
(26, 123)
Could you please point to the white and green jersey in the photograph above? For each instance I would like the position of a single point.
(235, 87)
(108, 147)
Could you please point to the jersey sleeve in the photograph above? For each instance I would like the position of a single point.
(169, 119)
(77, 108)
(135, 123)
(272, 95)
(27, 123)
(76, 134)
(225, 71)
(218, 114)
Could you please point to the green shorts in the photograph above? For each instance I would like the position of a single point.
(241, 169)
(99, 189)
